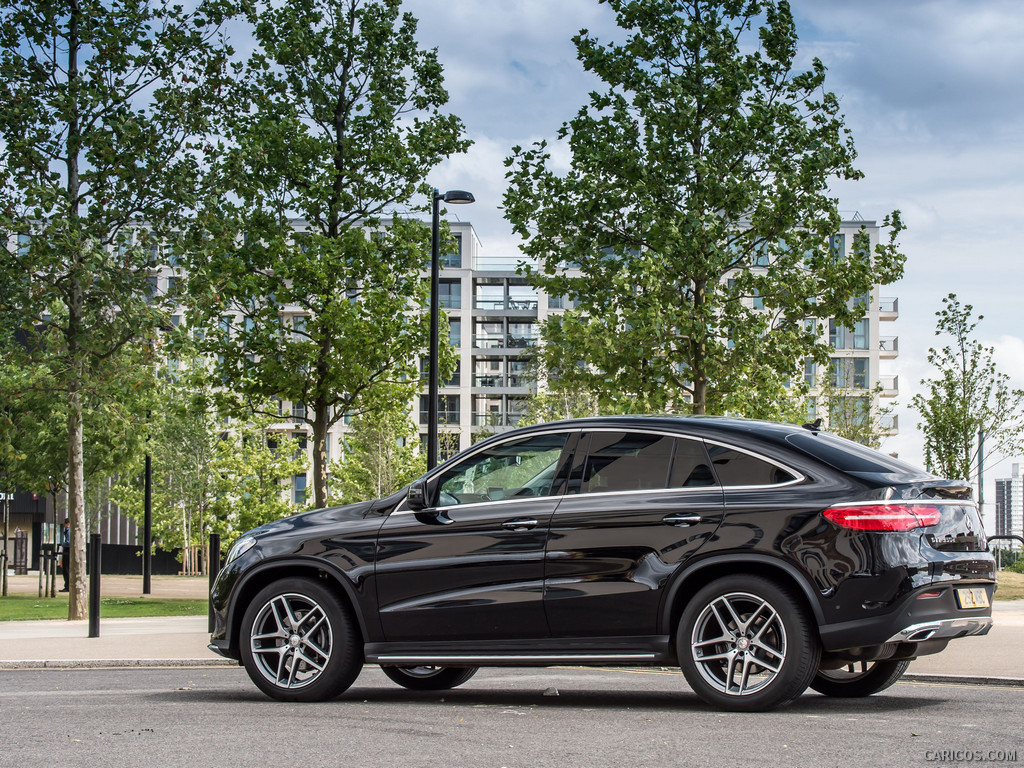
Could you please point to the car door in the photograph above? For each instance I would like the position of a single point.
(637, 505)
(470, 565)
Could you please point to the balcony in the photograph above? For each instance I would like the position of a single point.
(889, 347)
(888, 309)
(504, 341)
(889, 424)
(890, 386)
(505, 304)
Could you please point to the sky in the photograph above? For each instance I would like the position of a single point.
(931, 89)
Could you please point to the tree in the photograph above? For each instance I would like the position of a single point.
(967, 396)
(338, 121)
(696, 207)
(856, 414)
(380, 457)
(100, 103)
(208, 475)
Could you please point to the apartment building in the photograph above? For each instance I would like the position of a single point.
(496, 316)
(1010, 506)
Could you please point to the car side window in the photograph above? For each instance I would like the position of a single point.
(734, 467)
(691, 466)
(515, 469)
(627, 461)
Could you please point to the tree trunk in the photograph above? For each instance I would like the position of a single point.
(78, 600)
(320, 454)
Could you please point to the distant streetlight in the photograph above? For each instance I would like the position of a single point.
(452, 197)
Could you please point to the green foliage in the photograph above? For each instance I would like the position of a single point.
(967, 395)
(253, 467)
(208, 476)
(697, 207)
(381, 456)
(855, 414)
(336, 118)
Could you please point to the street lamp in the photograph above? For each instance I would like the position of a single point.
(453, 197)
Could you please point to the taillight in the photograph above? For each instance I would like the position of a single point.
(883, 517)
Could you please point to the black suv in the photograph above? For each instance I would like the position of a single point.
(762, 558)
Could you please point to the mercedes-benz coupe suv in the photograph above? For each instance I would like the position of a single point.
(761, 558)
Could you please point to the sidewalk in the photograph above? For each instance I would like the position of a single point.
(996, 658)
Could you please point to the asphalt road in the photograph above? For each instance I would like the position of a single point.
(216, 717)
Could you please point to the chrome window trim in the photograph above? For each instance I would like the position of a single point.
(798, 477)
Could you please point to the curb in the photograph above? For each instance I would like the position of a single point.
(115, 663)
(1001, 682)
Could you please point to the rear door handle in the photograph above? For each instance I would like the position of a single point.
(682, 521)
(520, 524)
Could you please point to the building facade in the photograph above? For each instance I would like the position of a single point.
(495, 318)
(1010, 507)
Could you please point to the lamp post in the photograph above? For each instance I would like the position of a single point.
(454, 197)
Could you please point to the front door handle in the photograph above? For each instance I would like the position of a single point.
(520, 524)
(682, 521)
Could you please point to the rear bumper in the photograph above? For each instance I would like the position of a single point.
(916, 619)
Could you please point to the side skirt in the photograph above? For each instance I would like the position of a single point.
(605, 651)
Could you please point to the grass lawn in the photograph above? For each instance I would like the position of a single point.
(1011, 586)
(28, 607)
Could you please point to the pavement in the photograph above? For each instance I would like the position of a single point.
(993, 659)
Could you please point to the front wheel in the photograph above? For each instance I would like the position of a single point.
(745, 644)
(427, 678)
(299, 642)
(859, 679)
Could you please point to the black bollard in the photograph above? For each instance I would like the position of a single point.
(214, 567)
(94, 586)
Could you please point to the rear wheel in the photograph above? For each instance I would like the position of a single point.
(427, 678)
(859, 679)
(299, 642)
(745, 644)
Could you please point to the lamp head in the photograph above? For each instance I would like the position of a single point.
(458, 197)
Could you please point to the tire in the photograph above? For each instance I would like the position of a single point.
(427, 678)
(859, 679)
(745, 644)
(299, 642)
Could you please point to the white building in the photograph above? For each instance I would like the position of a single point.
(1010, 506)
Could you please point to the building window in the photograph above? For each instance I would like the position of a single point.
(487, 372)
(455, 332)
(522, 298)
(454, 259)
(522, 335)
(487, 411)
(299, 490)
(520, 374)
(449, 294)
(489, 334)
(298, 412)
(840, 337)
(850, 372)
(489, 296)
(447, 409)
(837, 246)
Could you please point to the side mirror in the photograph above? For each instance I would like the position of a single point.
(417, 498)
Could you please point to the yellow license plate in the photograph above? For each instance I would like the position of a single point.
(972, 598)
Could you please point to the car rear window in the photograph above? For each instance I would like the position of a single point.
(848, 456)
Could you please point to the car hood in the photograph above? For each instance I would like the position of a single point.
(316, 517)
